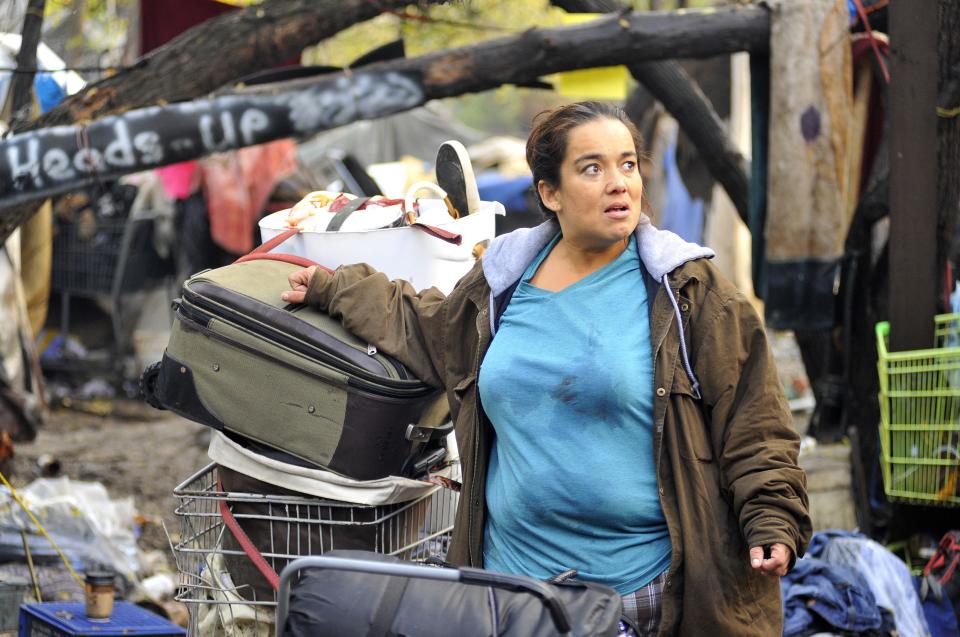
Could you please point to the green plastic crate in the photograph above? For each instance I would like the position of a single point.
(920, 417)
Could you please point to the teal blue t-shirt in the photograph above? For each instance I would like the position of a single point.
(568, 385)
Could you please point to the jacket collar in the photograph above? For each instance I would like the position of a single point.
(508, 256)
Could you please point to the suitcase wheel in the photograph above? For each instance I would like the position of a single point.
(148, 385)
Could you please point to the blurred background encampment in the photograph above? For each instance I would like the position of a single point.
(787, 135)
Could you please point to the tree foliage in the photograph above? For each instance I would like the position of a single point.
(92, 33)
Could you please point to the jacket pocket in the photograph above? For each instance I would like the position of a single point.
(692, 424)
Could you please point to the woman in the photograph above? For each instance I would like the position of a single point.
(615, 401)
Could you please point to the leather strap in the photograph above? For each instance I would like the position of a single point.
(440, 233)
(338, 219)
(272, 243)
(287, 258)
(248, 547)
(262, 252)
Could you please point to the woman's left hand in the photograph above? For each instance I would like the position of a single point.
(778, 562)
(299, 283)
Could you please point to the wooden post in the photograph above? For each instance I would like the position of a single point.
(948, 132)
(913, 173)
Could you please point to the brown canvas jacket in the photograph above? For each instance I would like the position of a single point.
(726, 460)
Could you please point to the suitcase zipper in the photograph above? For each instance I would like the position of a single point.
(378, 388)
(299, 347)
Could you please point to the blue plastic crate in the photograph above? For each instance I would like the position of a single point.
(68, 619)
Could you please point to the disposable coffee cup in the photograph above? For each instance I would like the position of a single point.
(99, 591)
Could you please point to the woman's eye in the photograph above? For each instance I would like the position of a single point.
(592, 169)
(629, 165)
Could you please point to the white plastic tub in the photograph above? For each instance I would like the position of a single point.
(401, 253)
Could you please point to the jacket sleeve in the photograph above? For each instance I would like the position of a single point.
(390, 315)
(752, 427)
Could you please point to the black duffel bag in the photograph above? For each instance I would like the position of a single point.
(360, 594)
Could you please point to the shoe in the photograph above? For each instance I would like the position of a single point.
(455, 176)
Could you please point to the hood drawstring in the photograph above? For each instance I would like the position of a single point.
(493, 315)
(683, 339)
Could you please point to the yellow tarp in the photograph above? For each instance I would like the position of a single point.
(604, 83)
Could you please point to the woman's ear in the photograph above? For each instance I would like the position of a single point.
(548, 195)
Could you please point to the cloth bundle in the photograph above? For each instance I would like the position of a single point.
(848, 583)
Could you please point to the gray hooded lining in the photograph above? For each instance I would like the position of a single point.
(661, 252)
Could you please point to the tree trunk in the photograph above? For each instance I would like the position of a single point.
(215, 53)
(678, 92)
(914, 263)
(21, 86)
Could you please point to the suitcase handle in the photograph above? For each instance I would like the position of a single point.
(466, 575)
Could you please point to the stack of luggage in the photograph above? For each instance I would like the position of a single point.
(289, 379)
(288, 387)
(321, 442)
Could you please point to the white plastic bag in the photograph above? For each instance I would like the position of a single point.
(88, 525)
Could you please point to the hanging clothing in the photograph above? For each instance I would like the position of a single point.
(237, 185)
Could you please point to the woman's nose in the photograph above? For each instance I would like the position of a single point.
(617, 183)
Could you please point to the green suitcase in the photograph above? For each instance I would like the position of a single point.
(289, 379)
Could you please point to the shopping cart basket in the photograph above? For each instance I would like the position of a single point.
(299, 526)
(920, 417)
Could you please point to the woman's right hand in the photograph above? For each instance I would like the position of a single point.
(299, 282)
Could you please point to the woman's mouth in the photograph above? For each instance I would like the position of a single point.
(617, 211)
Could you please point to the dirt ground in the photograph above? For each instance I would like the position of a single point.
(135, 451)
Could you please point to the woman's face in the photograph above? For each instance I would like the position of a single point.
(598, 198)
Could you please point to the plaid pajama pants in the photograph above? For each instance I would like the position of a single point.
(642, 607)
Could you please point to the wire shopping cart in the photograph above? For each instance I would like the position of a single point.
(106, 259)
(218, 583)
(920, 417)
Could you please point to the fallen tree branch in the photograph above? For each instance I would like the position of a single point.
(46, 162)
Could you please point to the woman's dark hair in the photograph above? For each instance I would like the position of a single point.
(547, 143)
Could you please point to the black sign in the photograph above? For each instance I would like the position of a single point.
(54, 160)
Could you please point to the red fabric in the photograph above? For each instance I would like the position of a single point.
(179, 180)
(163, 20)
(248, 547)
(236, 186)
